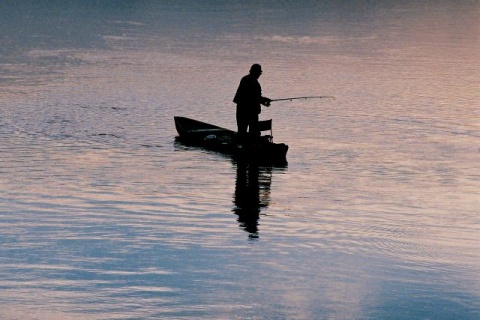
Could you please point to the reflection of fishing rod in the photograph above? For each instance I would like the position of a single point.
(310, 97)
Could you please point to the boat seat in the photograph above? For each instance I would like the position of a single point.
(266, 125)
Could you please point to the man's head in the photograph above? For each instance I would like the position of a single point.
(256, 70)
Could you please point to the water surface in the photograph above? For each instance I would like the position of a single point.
(104, 215)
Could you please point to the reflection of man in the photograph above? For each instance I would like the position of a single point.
(252, 192)
(248, 99)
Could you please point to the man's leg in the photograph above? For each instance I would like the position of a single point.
(242, 124)
(242, 121)
(253, 126)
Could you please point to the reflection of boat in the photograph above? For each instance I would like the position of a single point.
(252, 193)
(223, 140)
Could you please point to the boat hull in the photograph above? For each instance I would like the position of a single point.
(214, 138)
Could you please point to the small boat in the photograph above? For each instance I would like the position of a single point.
(215, 138)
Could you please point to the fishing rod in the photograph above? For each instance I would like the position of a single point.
(308, 97)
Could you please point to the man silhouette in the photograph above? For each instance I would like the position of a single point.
(248, 99)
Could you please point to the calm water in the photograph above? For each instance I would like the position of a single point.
(104, 215)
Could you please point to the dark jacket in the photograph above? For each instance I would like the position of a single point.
(249, 94)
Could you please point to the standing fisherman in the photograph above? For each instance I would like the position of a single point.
(248, 99)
